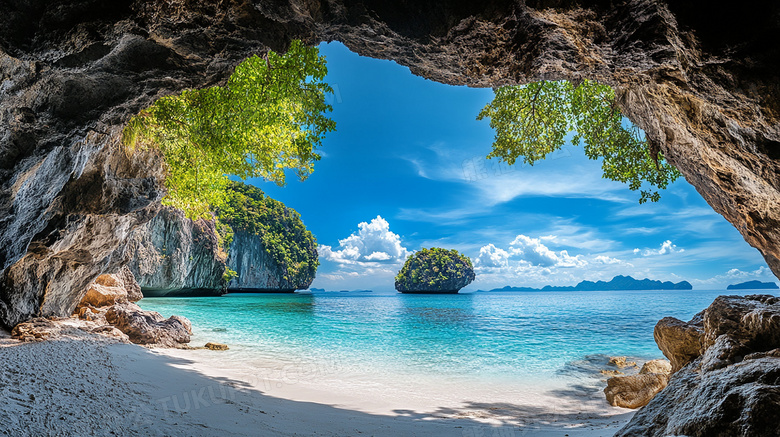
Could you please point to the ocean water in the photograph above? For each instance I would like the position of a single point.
(485, 337)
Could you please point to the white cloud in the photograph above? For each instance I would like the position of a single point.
(491, 256)
(603, 259)
(373, 243)
(536, 253)
(666, 248)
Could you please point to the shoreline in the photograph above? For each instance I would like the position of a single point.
(92, 385)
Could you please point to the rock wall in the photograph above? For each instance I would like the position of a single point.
(699, 77)
(727, 373)
(172, 255)
(257, 271)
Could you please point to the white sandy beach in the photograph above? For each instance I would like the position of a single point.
(90, 386)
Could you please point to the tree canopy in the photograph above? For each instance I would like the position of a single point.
(532, 121)
(270, 116)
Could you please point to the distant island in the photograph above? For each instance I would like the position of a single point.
(617, 283)
(753, 285)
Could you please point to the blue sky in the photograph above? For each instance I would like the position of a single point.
(406, 169)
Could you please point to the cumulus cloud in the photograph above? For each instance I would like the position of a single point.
(537, 253)
(373, 243)
(666, 248)
(492, 256)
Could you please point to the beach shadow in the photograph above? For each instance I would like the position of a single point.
(65, 387)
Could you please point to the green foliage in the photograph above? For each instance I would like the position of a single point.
(435, 267)
(229, 274)
(284, 236)
(269, 117)
(533, 120)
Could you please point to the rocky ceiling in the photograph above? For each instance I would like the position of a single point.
(700, 77)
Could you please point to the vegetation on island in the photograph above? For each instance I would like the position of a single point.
(532, 121)
(281, 230)
(435, 270)
(269, 117)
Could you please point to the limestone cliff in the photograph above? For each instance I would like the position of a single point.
(699, 77)
(174, 256)
(257, 270)
(271, 249)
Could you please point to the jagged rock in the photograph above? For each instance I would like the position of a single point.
(740, 400)
(634, 391)
(40, 329)
(733, 388)
(107, 290)
(679, 341)
(656, 366)
(149, 327)
(172, 255)
(702, 86)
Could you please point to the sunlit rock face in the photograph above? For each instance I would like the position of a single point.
(699, 77)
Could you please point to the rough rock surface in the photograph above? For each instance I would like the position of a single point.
(108, 309)
(679, 341)
(110, 289)
(149, 327)
(172, 255)
(733, 387)
(634, 391)
(257, 271)
(699, 77)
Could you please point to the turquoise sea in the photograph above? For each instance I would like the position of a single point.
(483, 336)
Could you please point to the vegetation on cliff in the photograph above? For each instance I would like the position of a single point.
(267, 118)
(435, 270)
(283, 234)
(532, 121)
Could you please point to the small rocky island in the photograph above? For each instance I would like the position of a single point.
(256, 244)
(435, 271)
(753, 285)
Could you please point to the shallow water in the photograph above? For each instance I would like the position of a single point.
(487, 336)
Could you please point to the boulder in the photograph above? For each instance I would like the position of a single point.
(732, 387)
(149, 327)
(656, 366)
(107, 290)
(634, 391)
(679, 341)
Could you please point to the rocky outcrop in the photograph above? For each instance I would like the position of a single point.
(435, 271)
(703, 86)
(172, 255)
(753, 285)
(732, 387)
(679, 341)
(108, 306)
